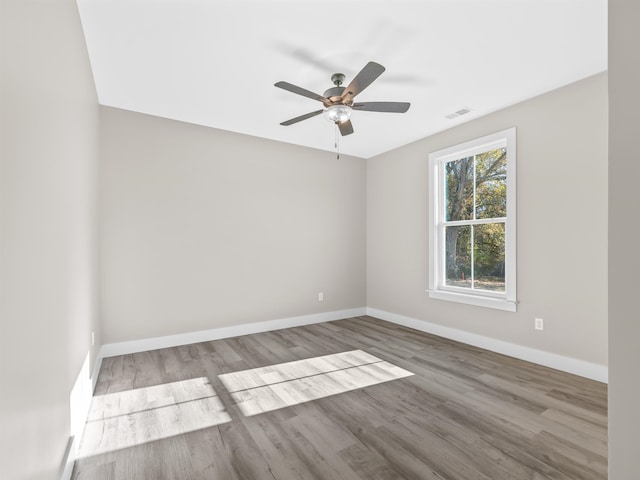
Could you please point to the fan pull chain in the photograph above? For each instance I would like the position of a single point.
(337, 143)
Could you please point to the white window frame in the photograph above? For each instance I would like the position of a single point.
(437, 287)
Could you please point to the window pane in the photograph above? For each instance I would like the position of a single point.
(488, 253)
(459, 189)
(458, 256)
(491, 184)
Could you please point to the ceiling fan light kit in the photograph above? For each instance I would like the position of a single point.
(338, 113)
(338, 101)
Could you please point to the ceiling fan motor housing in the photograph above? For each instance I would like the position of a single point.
(334, 94)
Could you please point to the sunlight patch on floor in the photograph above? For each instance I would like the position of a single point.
(133, 417)
(269, 388)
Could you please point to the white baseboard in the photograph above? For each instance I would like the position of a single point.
(575, 366)
(69, 459)
(144, 345)
(559, 362)
(71, 454)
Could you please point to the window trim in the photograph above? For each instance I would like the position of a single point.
(437, 290)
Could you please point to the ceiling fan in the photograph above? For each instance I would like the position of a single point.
(338, 101)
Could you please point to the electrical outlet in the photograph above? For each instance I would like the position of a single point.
(321, 297)
(538, 324)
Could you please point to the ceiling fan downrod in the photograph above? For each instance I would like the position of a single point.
(337, 79)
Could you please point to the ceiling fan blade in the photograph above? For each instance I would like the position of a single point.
(301, 91)
(393, 107)
(301, 117)
(362, 80)
(346, 128)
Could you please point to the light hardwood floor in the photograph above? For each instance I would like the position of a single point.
(395, 404)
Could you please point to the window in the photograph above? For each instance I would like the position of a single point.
(472, 250)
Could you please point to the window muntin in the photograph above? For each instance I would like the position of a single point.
(472, 248)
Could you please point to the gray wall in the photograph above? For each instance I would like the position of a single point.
(561, 225)
(624, 234)
(49, 147)
(202, 228)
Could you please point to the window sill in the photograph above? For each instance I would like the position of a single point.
(477, 300)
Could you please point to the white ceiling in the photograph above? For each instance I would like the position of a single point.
(214, 62)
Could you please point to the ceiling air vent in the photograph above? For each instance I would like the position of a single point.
(458, 113)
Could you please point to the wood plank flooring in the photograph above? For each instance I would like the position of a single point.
(456, 413)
